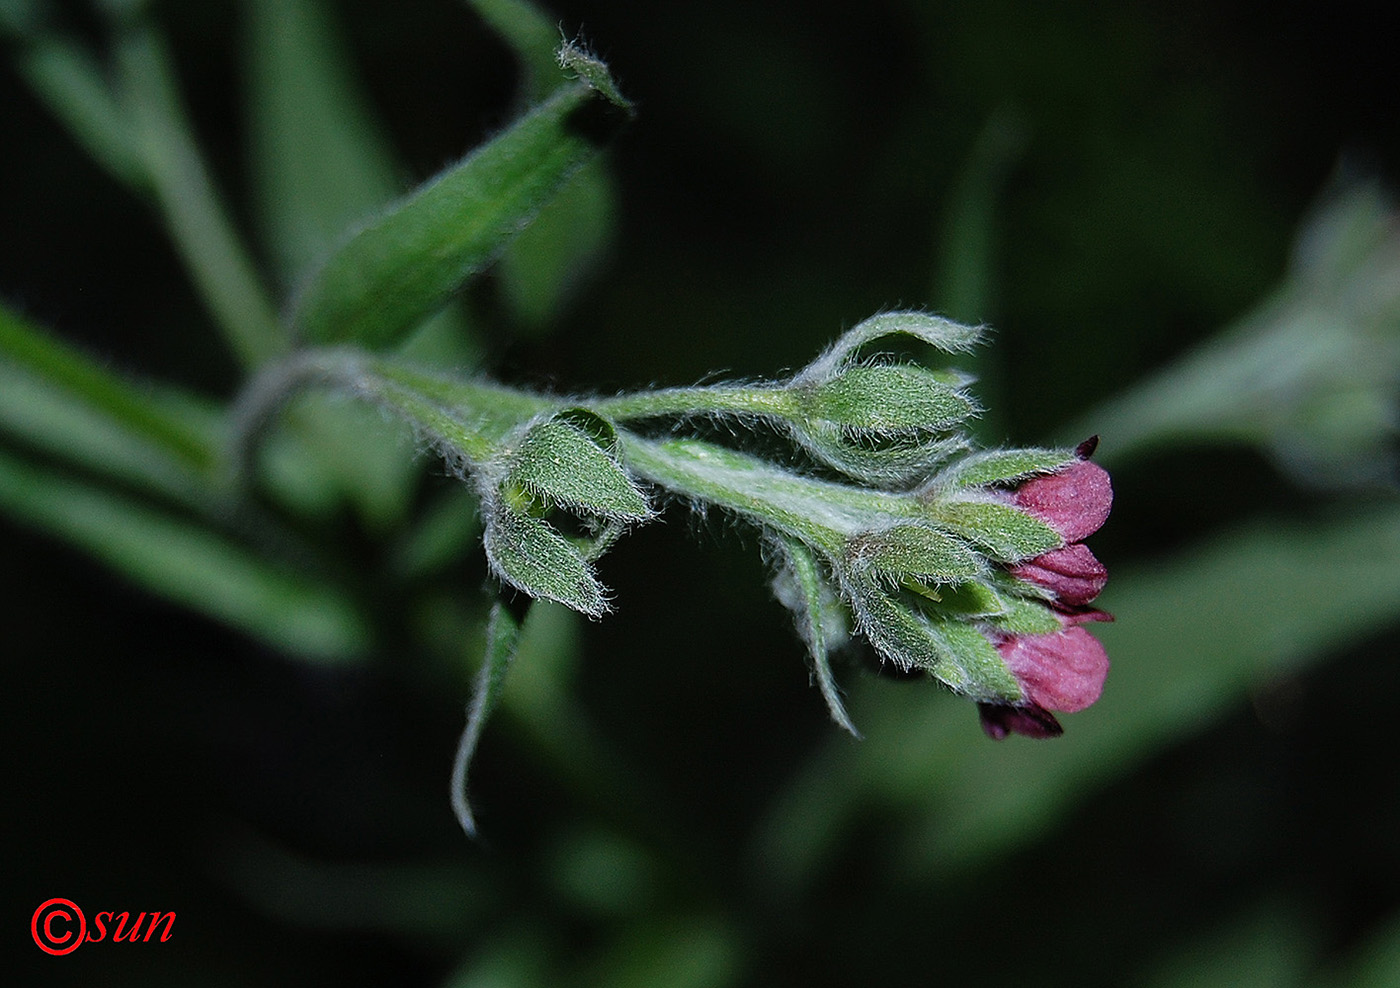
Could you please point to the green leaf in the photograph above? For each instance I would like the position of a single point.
(68, 79)
(562, 463)
(885, 398)
(942, 334)
(1006, 533)
(403, 266)
(802, 588)
(1000, 466)
(916, 551)
(532, 557)
(531, 34)
(320, 161)
(63, 402)
(543, 267)
(502, 636)
(188, 564)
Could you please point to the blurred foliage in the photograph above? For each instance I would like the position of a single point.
(1144, 200)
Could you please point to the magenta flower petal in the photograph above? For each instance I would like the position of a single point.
(1001, 719)
(1062, 670)
(1072, 574)
(1074, 501)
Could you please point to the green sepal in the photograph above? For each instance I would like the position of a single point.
(899, 460)
(1025, 617)
(1000, 466)
(971, 665)
(973, 598)
(1006, 533)
(888, 398)
(400, 268)
(953, 652)
(942, 334)
(916, 551)
(560, 461)
(535, 559)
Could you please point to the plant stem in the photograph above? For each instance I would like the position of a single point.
(820, 513)
(731, 399)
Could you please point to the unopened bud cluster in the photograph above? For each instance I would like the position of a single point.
(966, 564)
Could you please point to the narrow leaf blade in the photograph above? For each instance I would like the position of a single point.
(502, 637)
(811, 602)
(403, 266)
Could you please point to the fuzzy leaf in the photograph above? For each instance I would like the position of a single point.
(953, 652)
(1006, 533)
(1002, 465)
(943, 334)
(502, 636)
(802, 588)
(560, 461)
(529, 555)
(879, 461)
(403, 266)
(885, 398)
(918, 551)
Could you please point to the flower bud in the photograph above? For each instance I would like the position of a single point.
(1002, 719)
(1060, 670)
(882, 399)
(565, 461)
(1074, 501)
(1072, 574)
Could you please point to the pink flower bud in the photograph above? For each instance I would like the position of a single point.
(1061, 670)
(1072, 574)
(1074, 501)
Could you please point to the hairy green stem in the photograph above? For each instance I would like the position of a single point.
(725, 399)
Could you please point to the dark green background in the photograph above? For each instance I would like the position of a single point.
(790, 172)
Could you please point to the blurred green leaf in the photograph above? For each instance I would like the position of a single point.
(1311, 376)
(68, 79)
(320, 162)
(676, 951)
(547, 263)
(63, 402)
(1269, 946)
(404, 265)
(320, 166)
(187, 563)
(199, 225)
(1375, 964)
(531, 34)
